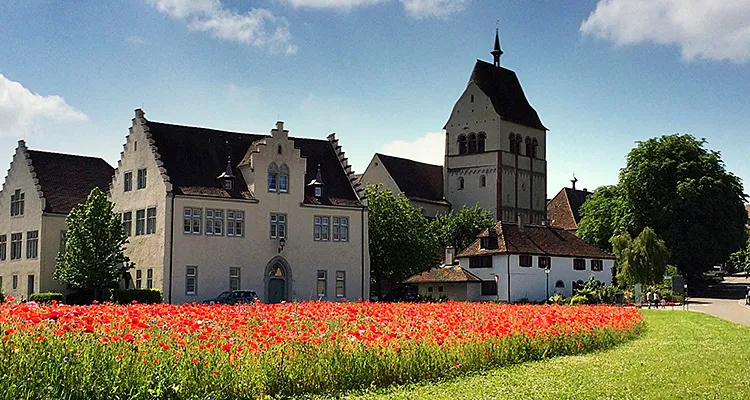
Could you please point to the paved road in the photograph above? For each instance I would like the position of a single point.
(725, 300)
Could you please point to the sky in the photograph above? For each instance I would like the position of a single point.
(382, 74)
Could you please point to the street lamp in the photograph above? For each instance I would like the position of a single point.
(282, 243)
(685, 299)
(546, 272)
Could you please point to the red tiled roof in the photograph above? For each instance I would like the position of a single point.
(535, 240)
(452, 273)
(563, 209)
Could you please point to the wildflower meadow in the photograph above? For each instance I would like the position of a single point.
(248, 351)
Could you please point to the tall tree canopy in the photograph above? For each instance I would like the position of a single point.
(604, 214)
(94, 256)
(640, 260)
(682, 190)
(402, 242)
(461, 229)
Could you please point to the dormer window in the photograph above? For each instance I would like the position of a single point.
(318, 191)
(228, 184)
(16, 203)
(317, 184)
(227, 177)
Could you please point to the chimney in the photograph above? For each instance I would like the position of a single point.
(450, 254)
(520, 221)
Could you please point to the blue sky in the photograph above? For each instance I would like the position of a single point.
(383, 74)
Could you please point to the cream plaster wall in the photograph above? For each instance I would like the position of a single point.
(146, 251)
(21, 176)
(457, 291)
(49, 247)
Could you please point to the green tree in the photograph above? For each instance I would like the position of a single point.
(401, 241)
(640, 260)
(740, 259)
(605, 213)
(94, 256)
(683, 191)
(461, 229)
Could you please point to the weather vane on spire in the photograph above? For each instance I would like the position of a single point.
(496, 52)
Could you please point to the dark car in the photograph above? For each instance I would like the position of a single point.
(234, 297)
(403, 293)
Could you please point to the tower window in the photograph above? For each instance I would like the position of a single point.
(481, 138)
(482, 181)
(534, 145)
(472, 143)
(472, 98)
(528, 146)
(460, 183)
(461, 144)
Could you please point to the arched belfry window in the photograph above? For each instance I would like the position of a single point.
(534, 145)
(512, 143)
(460, 183)
(273, 171)
(461, 144)
(283, 178)
(528, 146)
(519, 140)
(472, 143)
(481, 139)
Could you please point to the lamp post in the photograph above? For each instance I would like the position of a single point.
(282, 243)
(546, 272)
(685, 300)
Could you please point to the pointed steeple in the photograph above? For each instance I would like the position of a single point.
(317, 183)
(496, 52)
(227, 177)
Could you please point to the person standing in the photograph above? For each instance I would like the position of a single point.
(648, 299)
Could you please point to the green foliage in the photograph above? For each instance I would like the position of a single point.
(401, 241)
(47, 297)
(740, 259)
(142, 296)
(596, 293)
(557, 298)
(643, 260)
(605, 213)
(461, 229)
(671, 270)
(683, 191)
(94, 257)
(578, 300)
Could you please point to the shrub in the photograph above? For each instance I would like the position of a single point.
(47, 297)
(557, 298)
(578, 299)
(143, 296)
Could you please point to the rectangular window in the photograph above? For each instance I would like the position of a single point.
(271, 182)
(544, 262)
(480, 262)
(340, 229)
(15, 245)
(138, 279)
(140, 222)
(317, 228)
(63, 241)
(15, 282)
(278, 226)
(235, 223)
(340, 284)
(149, 278)
(127, 182)
(151, 220)
(234, 279)
(489, 288)
(283, 183)
(3, 247)
(191, 281)
(16, 203)
(597, 265)
(579, 264)
(32, 244)
(192, 221)
(214, 222)
(127, 222)
(325, 228)
(141, 184)
(524, 261)
(322, 284)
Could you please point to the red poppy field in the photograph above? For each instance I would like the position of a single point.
(230, 352)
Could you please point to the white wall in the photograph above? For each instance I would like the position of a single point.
(530, 282)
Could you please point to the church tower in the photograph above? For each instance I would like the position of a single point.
(495, 147)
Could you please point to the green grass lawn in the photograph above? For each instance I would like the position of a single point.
(682, 355)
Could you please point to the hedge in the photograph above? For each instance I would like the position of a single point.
(46, 297)
(143, 296)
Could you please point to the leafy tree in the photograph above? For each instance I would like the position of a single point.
(683, 191)
(94, 256)
(401, 241)
(740, 259)
(640, 260)
(605, 213)
(461, 229)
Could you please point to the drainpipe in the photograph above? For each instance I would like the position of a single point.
(508, 278)
(171, 248)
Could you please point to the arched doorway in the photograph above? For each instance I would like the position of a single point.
(278, 281)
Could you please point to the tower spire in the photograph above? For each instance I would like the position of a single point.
(496, 52)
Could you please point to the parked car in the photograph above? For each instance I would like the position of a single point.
(234, 297)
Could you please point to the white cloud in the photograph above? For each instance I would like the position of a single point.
(429, 148)
(21, 110)
(414, 8)
(135, 40)
(703, 29)
(433, 8)
(257, 27)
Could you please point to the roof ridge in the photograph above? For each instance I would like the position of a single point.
(408, 159)
(265, 135)
(66, 154)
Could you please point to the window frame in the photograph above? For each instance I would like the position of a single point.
(341, 292)
(544, 262)
(140, 223)
(138, 278)
(149, 278)
(191, 277)
(474, 261)
(214, 221)
(127, 181)
(14, 282)
(150, 221)
(127, 224)
(324, 280)
(482, 180)
(235, 276)
(577, 262)
(16, 253)
(463, 146)
(278, 220)
(191, 215)
(525, 261)
(283, 177)
(141, 178)
(339, 229)
(237, 220)
(17, 203)
(599, 263)
(3, 247)
(32, 245)
(489, 284)
(461, 183)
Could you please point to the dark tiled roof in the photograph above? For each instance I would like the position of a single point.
(502, 87)
(444, 274)
(563, 209)
(418, 181)
(194, 157)
(536, 240)
(66, 179)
